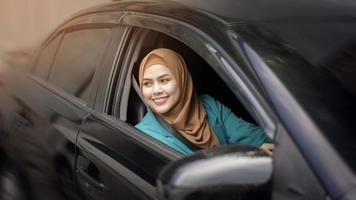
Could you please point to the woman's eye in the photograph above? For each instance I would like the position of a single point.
(165, 80)
(147, 84)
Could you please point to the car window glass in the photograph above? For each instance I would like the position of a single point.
(337, 57)
(78, 55)
(45, 59)
(324, 85)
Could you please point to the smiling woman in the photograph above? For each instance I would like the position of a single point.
(200, 121)
(160, 89)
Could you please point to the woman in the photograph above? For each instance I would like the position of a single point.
(167, 88)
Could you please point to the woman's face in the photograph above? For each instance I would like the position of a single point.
(160, 88)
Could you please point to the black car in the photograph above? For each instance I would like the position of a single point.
(67, 120)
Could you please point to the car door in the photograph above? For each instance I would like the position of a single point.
(74, 74)
(113, 158)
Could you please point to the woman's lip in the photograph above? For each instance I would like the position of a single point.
(160, 101)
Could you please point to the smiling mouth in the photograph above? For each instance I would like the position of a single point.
(160, 101)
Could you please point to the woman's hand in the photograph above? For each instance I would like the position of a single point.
(268, 148)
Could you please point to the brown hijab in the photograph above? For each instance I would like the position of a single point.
(188, 116)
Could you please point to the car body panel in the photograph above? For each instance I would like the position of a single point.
(41, 122)
(111, 158)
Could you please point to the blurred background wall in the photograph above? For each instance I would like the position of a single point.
(25, 23)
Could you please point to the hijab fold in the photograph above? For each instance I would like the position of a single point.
(188, 116)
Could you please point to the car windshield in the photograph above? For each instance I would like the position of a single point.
(328, 45)
(315, 61)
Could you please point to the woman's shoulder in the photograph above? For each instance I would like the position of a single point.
(210, 103)
(207, 99)
(147, 120)
(151, 126)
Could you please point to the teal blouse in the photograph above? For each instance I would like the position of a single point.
(226, 125)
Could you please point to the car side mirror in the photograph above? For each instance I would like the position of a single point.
(227, 172)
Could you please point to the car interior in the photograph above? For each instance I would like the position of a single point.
(205, 79)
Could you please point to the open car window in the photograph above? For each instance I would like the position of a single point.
(205, 79)
(132, 108)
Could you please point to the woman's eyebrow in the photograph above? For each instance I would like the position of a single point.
(163, 75)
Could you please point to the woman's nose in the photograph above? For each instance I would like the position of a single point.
(157, 88)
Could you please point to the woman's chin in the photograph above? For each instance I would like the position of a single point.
(162, 109)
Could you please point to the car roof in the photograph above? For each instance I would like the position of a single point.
(232, 11)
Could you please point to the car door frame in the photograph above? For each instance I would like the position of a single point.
(203, 42)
